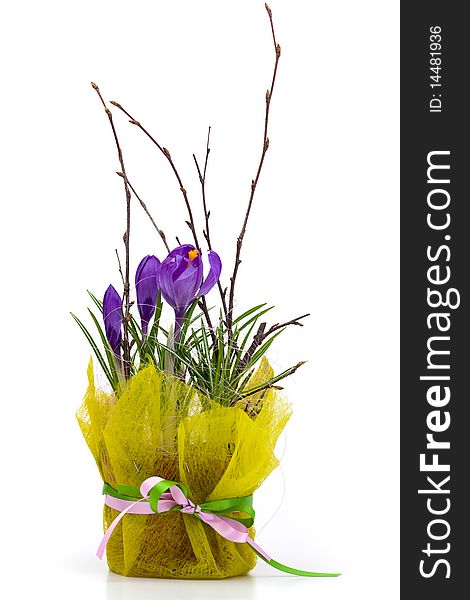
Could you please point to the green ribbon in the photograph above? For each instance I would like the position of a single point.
(225, 507)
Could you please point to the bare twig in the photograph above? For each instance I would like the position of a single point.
(144, 206)
(254, 182)
(257, 341)
(167, 155)
(207, 213)
(268, 385)
(263, 334)
(202, 180)
(190, 223)
(295, 321)
(120, 267)
(203, 306)
(126, 295)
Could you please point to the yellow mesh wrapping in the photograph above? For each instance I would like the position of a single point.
(161, 426)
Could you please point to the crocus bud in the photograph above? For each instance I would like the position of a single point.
(146, 286)
(112, 316)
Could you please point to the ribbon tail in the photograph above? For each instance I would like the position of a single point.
(259, 551)
(155, 489)
(228, 528)
(280, 567)
(112, 527)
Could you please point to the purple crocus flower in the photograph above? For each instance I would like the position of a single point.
(181, 279)
(112, 316)
(146, 286)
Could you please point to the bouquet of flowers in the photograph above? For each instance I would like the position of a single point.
(186, 432)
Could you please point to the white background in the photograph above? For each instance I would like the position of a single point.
(323, 239)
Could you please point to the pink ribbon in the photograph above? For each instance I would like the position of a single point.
(228, 528)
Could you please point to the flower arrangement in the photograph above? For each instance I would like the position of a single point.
(187, 431)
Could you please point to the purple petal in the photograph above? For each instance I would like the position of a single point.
(146, 285)
(180, 278)
(187, 285)
(181, 250)
(112, 316)
(214, 273)
(165, 279)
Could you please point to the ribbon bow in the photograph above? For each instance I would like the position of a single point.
(159, 495)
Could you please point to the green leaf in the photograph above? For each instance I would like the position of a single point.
(153, 334)
(179, 356)
(187, 321)
(95, 350)
(220, 354)
(242, 347)
(270, 382)
(109, 352)
(98, 303)
(263, 349)
(136, 334)
(255, 318)
(248, 313)
(256, 356)
(207, 355)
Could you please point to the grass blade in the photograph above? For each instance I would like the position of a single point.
(95, 350)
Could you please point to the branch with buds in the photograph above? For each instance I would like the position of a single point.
(126, 350)
(254, 182)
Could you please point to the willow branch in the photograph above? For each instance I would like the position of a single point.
(254, 182)
(278, 326)
(190, 223)
(167, 155)
(207, 213)
(262, 334)
(160, 232)
(273, 382)
(126, 295)
(120, 267)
